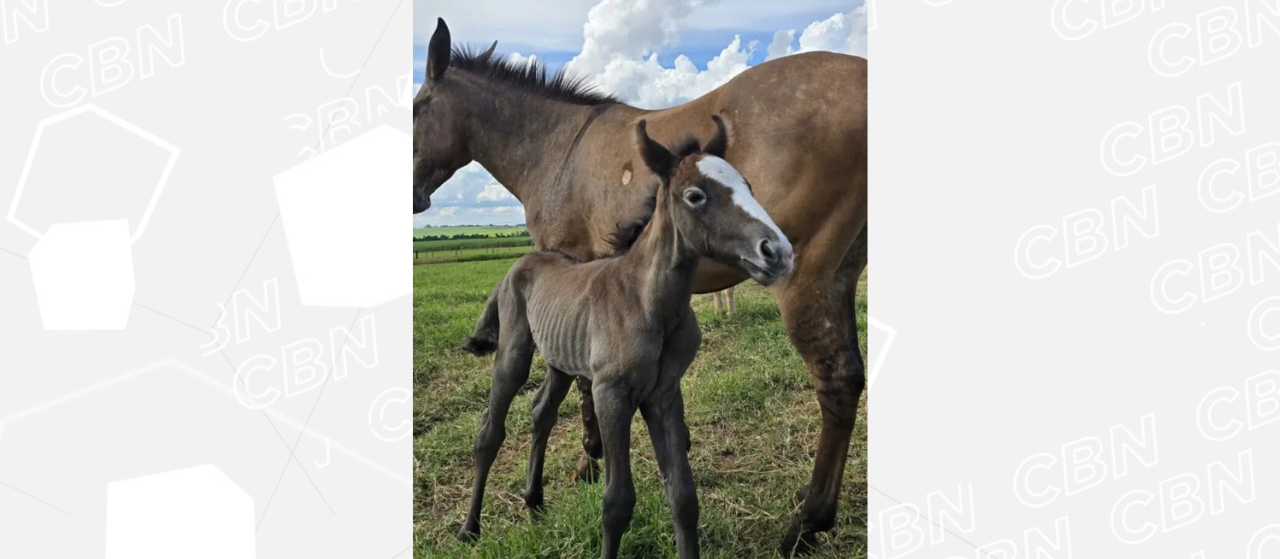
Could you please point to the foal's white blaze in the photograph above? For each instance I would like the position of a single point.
(722, 172)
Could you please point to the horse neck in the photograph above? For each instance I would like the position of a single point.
(519, 137)
(663, 261)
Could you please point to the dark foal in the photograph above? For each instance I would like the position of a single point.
(625, 323)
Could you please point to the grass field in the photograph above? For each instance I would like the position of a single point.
(470, 254)
(456, 244)
(446, 231)
(469, 250)
(752, 417)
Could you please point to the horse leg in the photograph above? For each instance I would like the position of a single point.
(819, 316)
(732, 307)
(588, 469)
(546, 403)
(664, 415)
(663, 412)
(854, 263)
(615, 408)
(510, 371)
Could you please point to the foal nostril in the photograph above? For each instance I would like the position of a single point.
(768, 252)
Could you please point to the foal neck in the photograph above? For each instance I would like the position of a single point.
(663, 260)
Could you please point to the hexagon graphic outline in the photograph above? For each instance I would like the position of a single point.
(883, 351)
(114, 119)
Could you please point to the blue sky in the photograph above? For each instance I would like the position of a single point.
(557, 31)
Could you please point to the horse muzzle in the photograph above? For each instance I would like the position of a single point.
(421, 201)
(774, 259)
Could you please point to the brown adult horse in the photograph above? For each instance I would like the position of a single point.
(799, 129)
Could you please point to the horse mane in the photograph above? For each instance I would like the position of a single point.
(686, 147)
(531, 77)
(626, 234)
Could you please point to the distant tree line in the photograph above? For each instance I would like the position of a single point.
(461, 236)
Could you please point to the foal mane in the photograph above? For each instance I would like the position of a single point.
(531, 77)
(626, 234)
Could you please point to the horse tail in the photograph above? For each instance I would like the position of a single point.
(485, 338)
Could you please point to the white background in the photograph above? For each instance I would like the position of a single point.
(1039, 401)
(244, 92)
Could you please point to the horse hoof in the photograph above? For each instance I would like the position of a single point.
(536, 509)
(799, 541)
(588, 470)
(537, 513)
(469, 534)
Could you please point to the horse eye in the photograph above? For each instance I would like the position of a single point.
(694, 197)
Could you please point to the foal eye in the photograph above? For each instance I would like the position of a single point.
(694, 197)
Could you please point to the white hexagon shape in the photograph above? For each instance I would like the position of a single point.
(194, 512)
(112, 158)
(83, 275)
(339, 211)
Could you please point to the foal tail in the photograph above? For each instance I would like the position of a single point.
(485, 338)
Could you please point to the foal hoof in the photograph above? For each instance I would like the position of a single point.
(535, 506)
(799, 541)
(537, 513)
(588, 470)
(469, 534)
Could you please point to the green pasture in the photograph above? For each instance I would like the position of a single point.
(752, 417)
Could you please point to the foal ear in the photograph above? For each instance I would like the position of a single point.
(656, 157)
(484, 56)
(720, 142)
(438, 51)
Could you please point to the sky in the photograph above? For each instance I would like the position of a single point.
(651, 53)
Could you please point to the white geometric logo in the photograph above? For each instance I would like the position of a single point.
(361, 181)
(83, 275)
(83, 270)
(195, 512)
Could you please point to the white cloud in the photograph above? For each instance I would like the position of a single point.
(625, 29)
(547, 24)
(845, 33)
(781, 45)
(621, 40)
(521, 59)
(493, 192)
(647, 84)
(842, 32)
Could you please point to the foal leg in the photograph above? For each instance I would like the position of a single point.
(546, 404)
(588, 469)
(615, 408)
(819, 316)
(510, 371)
(663, 412)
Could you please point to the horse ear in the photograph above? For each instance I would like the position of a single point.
(484, 56)
(438, 51)
(720, 142)
(655, 156)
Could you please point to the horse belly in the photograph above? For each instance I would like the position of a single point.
(561, 343)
